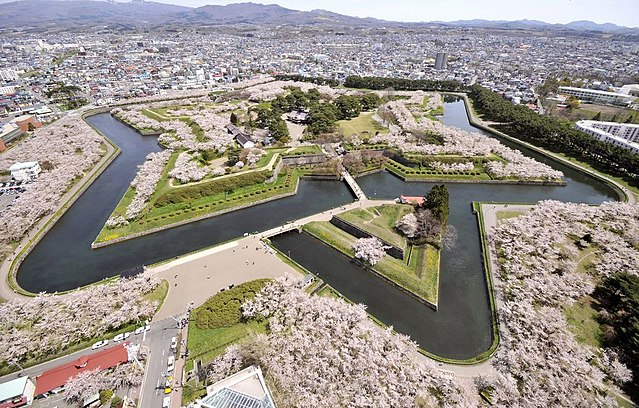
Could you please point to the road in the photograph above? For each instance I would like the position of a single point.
(158, 342)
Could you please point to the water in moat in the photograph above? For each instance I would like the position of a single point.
(64, 259)
(461, 328)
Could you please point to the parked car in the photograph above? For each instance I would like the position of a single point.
(99, 344)
(122, 336)
(174, 343)
(170, 364)
(142, 329)
(166, 402)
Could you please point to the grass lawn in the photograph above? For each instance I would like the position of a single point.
(363, 126)
(426, 174)
(206, 344)
(312, 149)
(379, 221)
(505, 214)
(158, 294)
(170, 214)
(328, 291)
(417, 277)
(582, 322)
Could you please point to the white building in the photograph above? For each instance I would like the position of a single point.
(596, 96)
(17, 393)
(619, 134)
(245, 389)
(25, 171)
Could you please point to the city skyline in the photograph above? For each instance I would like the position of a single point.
(620, 12)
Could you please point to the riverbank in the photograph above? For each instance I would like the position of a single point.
(236, 207)
(9, 288)
(623, 192)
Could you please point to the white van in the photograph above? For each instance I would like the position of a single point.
(170, 365)
(166, 402)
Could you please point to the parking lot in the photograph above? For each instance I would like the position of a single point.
(9, 190)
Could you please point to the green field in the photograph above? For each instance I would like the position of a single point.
(312, 149)
(426, 174)
(505, 214)
(418, 274)
(364, 126)
(582, 322)
(379, 221)
(154, 217)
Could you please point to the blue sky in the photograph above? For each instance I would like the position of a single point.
(621, 12)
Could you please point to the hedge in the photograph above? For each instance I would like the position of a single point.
(193, 192)
(224, 309)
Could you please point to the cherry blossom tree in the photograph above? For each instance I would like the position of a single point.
(47, 323)
(70, 147)
(322, 352)
(369, 250)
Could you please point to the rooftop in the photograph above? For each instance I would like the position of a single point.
(58, 376)
(245, 389)
(13, 388)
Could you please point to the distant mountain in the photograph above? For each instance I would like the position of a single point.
(589, 25)
(535, 24)
(252, 13)
(54, 12)
(41, 13)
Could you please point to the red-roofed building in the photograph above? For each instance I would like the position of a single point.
(411, 200)
(103, 360)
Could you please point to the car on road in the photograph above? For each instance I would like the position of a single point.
(122, 336)
(170, 364)
(166, 402)
(173, 343)
(99, 344)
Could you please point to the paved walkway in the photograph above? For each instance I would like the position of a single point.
(6, 292)
(353, 185)
(196, 277)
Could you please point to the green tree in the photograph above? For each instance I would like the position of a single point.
(348, 107)
(233, 155)
(437, 200)
(370, 101)
(597, 116)
(234, 119)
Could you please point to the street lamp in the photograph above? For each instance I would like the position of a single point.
(15, 363)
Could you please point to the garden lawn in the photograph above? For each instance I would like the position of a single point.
(154, 217)
(427, 174)
(312, 149)
(505, 214)
(582, 322)
(364, 126)
(420, 278)
(158, 294)
(206, 344)
(379, 221)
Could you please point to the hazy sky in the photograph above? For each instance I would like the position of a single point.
(621, 12)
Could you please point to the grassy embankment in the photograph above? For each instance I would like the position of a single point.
(158, 214)
(418, 272)
(155, 216)
(216, 325)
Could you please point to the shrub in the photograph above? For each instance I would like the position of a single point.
(224, 309)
